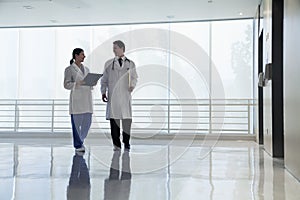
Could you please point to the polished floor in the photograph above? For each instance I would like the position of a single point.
(42, 169)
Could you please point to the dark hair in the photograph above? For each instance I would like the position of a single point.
(76, 51)
(120, 44)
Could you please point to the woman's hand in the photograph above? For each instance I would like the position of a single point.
(78, 83)
(95, 83)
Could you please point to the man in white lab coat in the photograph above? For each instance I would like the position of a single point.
(118, 81)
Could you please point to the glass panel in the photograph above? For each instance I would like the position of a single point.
(37, 63)
(9, 51)
(232, 56)
(189, 76)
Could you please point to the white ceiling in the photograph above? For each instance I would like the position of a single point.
(23, 13)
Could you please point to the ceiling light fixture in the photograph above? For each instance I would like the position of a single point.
(53, 21)
(240, 13)
(170, 16)
(28, 7)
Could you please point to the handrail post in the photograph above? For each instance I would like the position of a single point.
(248, 116)
(169, 117)
(52, 117)
(210, 116)
(16, 113)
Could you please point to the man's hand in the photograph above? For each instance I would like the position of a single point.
(104, 98)
(131, 89)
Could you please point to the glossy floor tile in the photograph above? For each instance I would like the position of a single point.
(40, 170)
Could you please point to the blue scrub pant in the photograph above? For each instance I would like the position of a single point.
(79, 183)
(81, 124)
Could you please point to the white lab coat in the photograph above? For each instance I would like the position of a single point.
(116, 81)
(81, 100)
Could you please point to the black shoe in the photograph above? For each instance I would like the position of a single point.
(127, 147)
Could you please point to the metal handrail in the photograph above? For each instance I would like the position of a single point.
(18, 115)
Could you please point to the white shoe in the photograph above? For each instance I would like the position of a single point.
(117, 148)
(81, 149)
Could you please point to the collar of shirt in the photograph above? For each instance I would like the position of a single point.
(123, 57)
(117, 59)
(81, 67)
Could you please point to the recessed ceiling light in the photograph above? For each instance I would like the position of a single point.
(170, 16)
(53, 20)
(28, 7)
(240, 13)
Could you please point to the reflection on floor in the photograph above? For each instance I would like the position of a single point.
(151, 170)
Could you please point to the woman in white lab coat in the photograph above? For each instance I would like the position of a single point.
(118, 81)
(81, 101)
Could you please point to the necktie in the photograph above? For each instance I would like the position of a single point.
(120, 61)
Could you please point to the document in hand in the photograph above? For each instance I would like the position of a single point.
(91, 79)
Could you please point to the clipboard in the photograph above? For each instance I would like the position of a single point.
(91, 79)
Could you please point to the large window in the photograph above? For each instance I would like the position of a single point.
(175, 62)
(35, 58)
